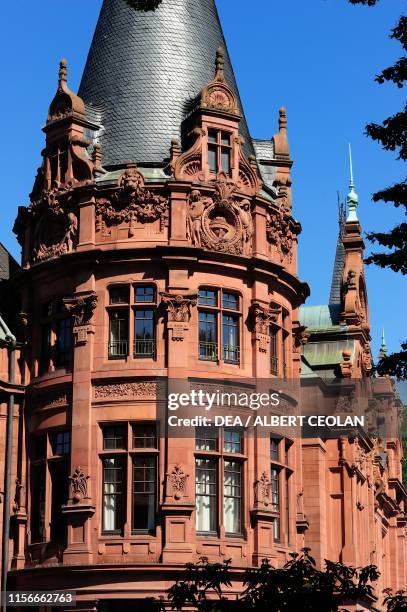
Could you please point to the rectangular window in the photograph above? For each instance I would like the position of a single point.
(118, 334)
(230, 301)
(38, 447)
(144, 341)
(206, 439)
(219, 152)
(144, 436)
(208, 346)
(59, 471)
(206, 494)
(232, 441)
(115, 437)
(287, 506)
(144, 493)
(275, 501)
(230, 338)
(60, 442)
(232, 497)
(63, 343)
(113, 494)
(273, 352)
(144, 294)
(274, 442)
(119, 295)
(213, 158)
(208, 297)
(225, 160)
(38, 502)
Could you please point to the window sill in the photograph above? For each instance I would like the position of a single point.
(207, 534)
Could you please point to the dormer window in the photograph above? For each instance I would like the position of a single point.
(219, 152)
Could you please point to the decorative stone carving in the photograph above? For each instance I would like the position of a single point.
(132, 203)
(81, 307)
(346, 364)
(262, 490)
(130, 389)
(261, 318)
(220, 223)
(177, 482)
(79, 484)
(17, 496)
(280, 233)
(178, 312)
(53, 222)
(218, 95)
(51, 400)
(300, 337)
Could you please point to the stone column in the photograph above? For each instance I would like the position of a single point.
(80, 507)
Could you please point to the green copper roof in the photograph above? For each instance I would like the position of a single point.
(320, 317)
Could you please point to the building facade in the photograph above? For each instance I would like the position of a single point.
(159, 245)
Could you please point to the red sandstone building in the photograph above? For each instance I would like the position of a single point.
(159, 244)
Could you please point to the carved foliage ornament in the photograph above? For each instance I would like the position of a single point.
(178, 306)
(177, 481)
(132, 202)
(220, 222)
(79, 484)
(280, 233)
(81, 308)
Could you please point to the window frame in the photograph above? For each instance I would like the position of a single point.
(219, 148)
(282, 465)
(220, 352)
(221, 457)
(52, 313)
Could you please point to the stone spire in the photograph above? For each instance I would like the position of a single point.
(352, 199)
(383, 347)
(335, 294)
(143, 72)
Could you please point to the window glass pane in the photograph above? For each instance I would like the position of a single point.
(232, 496)
(208, 297)
(213, 158)
(230, 300)
(113, 494)
(38, 503)
(230, 338)
(60, 442)
(63, 343)
(275, 490)
(38, 447)
(206, 438)
(114, 437)
(226, 138)
(144, 489)
(144, 436)
(208, 347)
(119, 295)
(59, 471)
(212, 135)
(206, 494)
(144, 294)
(287, 452)
(273, 351)
(118, 334)
(225, 160)
(287, 506)
(274, 442)
(232, 441)
(144, 328)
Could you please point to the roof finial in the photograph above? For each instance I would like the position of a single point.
(282, 119)
(352, 195)
(220, 64)
(63, 73)
(383, 347)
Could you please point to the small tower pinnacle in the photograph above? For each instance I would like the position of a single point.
(220, 64)
(63, 73)
(383, 346)
(352, 199)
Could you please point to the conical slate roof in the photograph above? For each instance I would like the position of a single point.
(141, 71)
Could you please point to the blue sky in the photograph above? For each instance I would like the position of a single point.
(318, 58)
